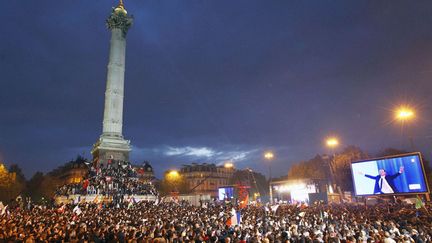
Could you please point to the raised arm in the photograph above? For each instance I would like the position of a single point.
(368, 176)
(401, 170)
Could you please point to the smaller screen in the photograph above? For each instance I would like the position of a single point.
(226, 193)
(396, 175)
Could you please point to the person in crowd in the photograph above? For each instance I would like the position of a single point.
(183, 222)
(117, 178)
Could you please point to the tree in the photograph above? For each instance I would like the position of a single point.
(310, 169)
(256, 181)
(48, 186)
(341, 164)
(19, 184)
(8, 186)
(14, 168)
(336, 168)
(34, 186)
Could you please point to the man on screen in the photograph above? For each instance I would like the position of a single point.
(384, 183)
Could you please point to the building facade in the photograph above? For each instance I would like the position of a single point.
(144, 171)
(72, 172)
(206, 178)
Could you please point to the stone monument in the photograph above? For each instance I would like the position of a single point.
(111, 144)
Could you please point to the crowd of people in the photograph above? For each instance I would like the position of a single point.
(210, 222)
(110, 179)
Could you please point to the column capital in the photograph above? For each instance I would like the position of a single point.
(119, 20)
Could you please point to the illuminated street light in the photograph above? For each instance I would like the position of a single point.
(173, 178)
(228, 165)
(173, 173)
(332, 142)
(269, 155)
(404, 113)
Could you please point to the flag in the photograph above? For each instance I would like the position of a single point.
(86, 184)
(245, 201)
(302, 214)
(235, 218)
(95, 200)
(77, 210)
(274, 208)
(156, 201)
(4, 210)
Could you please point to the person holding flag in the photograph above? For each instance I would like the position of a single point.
(235, 218)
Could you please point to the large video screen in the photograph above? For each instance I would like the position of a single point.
(226, 193)
(391, 175)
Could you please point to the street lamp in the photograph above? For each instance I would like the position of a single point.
(269, 156)
(332, 143)
(404, 114)
(173, 174)
(173, 178)
(229, 165)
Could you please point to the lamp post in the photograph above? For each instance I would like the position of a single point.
(173, 177)
(269, 157)
(332, 143)
(404, 114)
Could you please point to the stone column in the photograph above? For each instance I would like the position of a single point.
(111, 143)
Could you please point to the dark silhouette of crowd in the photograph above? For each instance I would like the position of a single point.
(182, 222)
(110, 179)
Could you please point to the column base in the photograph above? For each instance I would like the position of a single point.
(111, 147)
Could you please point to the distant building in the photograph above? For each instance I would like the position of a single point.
(72, 172)
(207, 178)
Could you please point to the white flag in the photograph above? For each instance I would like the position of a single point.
(274, 207)
(77, 210)
(4, 210)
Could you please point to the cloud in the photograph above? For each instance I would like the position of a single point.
(190, 151)
(188, 154)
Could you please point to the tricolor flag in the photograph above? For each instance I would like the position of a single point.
(235, 218)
